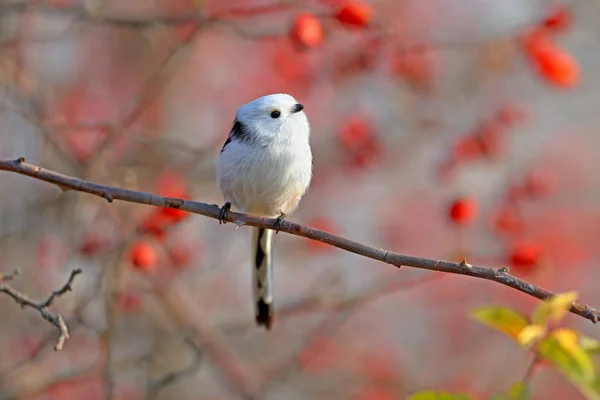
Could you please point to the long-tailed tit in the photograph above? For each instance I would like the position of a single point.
(264, 169)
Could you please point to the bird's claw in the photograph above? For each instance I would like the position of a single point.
(278, 222)
(223, 214)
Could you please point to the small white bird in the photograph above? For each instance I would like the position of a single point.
(264, 169)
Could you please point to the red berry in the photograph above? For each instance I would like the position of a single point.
(525, 255)
(414, 65)
(463, 210)
(170, 184)
(358, 138)
(467, 148)
(307, 30)
(356, 14)
(143, 256)
(156, 225)
(559, 19)
(175, 214)
(93, 243)
(553, 63)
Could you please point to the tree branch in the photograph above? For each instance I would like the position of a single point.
(56, 320)
(499, 275)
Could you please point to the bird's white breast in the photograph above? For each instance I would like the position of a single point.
(265, 180)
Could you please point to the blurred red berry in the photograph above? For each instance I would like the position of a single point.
(357, 14)
(525, 255)
(463, 210)
(156, 224)
(553, 63)
(467, 148)
(414, 65)
(170, 184)
(559, 19)
(143, 256)
(358, 138)
(175, 214)
(93, 243)
(307, 30)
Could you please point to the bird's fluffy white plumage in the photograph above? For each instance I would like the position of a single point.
(267, 172)
(264, 169)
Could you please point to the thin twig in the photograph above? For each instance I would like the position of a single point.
(110, 193)
(55, 319)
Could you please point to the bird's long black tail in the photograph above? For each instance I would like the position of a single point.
(263, 276)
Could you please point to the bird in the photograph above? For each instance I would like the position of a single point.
(264, 169)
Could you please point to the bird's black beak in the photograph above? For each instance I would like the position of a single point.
(297, 108)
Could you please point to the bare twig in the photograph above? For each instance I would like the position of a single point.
(42, 307)
(499, 275)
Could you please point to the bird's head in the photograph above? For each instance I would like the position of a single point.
(276, 116)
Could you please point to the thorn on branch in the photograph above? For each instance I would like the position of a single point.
(21, 160)
(503, 270)
(42, 307)
(464, 263)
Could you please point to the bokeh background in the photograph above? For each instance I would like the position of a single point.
(440, 128)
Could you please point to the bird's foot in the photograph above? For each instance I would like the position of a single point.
(278, 222)
(223, 214)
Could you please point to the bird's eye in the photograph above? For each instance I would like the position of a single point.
(275, 114)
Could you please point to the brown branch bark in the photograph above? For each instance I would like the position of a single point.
(498, 275)
(42, 307)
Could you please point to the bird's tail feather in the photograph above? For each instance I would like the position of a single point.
(263, 277)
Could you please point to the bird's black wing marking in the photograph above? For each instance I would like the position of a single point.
(238, 132)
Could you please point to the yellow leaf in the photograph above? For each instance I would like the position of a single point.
(554, 308)
(530, 334)
(562, 348)
(504, 319)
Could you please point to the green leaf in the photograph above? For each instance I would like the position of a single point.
(504, 319)
(433, 395)
(563, 350)
(530, 334)
(554, 308)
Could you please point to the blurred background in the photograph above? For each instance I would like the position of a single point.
(440, 128)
